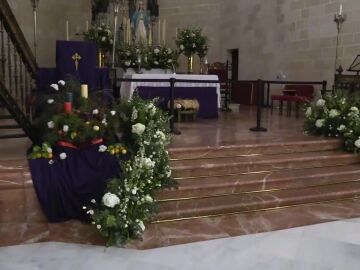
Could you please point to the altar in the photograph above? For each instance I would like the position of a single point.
(207, 93)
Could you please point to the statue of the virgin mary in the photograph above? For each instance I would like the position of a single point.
(140, 23)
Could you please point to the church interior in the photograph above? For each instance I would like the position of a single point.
(176, 134)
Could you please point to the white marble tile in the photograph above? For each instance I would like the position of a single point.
(329, 246)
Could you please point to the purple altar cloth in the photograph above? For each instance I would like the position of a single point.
(64, 187)
(206, 96)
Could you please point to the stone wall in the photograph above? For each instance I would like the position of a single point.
(52, 15)
(200, 13)
(296, 37)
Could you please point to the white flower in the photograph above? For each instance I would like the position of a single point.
(341, 128)
(110, 200)
(63, 156)
(182, 47)
(134, 114)
(93, 201)
(65, 128)
(168, 173)
(51, 162)
(160, 135)
(96, 128)
(357, 143)
(308, 112)
(170, 61)
(113, 112)
(319, 123)
(102, 148)
(147, 163)
(156, 51)
(127, 63)
(61, 82)
(49, 150)
(50, 101)
(134, 191)
(98, 227)
(169, 51)
(104, 122)
(156, 62)
(95, 111)
(141, 225)
(51, 124)
(138, 129)
(178, 106)
(148, 198)
(334, 113)
(90, 212)
(194, 45)
(103, 38)
(320, 102)
(54, 86)
(127, 53)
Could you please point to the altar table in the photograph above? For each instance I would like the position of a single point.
(207, 94)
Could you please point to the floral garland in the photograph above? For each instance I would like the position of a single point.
(158, 57)
(335, 116)
(191, 41)
(129, 202)
(100, 34)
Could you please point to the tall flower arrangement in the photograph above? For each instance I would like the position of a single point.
(100, 34)
(191, 41)
(335, 116)
(128, 202)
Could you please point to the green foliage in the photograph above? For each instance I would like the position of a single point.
(129, 198)
(100, 34)
(191, 41)
(158, 57)
(335, 116)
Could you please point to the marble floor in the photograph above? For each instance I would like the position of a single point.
(327, 246)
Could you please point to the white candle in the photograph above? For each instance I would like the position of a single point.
(164, 32)
(124, 29)
(87, 26)
(340, 12)
(67, 30)
(84, 91)
(159, 31)
(150, 37)
(129, 31)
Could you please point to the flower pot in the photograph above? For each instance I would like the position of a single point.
(190, 64)
(101, 58)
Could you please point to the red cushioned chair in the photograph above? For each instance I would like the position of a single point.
(297, 93)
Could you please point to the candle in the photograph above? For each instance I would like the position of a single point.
(340, 12)
(150, 37)
(159, 31)
(69, 96)
(124, 29)
(164, 32)
(84, 91)
(67, 30)
(87, 26)
(67, 107)
(176, 32)
(129, 30)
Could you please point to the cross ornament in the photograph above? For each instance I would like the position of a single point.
(76, 57)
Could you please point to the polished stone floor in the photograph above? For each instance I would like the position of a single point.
(328, 246)
(233, 127)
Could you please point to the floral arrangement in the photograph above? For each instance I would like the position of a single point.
(100, 34)
(158, 57)
(335, 116)
(137, 132)
(191, 41)
(128, 202)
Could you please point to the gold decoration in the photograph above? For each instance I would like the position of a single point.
(190, 64)
(76, 57)
(101, 58)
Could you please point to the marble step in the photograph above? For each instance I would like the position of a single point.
(251, 148)
(259, 163)
(285, 179)
(207, 228)
(227, 204)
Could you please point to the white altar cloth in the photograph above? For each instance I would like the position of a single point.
(127, 88)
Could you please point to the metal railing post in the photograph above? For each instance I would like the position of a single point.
(260, 98)
(172, 111)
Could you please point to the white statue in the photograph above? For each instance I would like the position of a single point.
(140, 24)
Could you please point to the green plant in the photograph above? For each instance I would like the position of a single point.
(191, 40)
(100, 34)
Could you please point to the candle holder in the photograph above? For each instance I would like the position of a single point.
(339, 19)
(139, 61)
(35, 4)
(116, 4)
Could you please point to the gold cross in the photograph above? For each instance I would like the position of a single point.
(76, 57)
